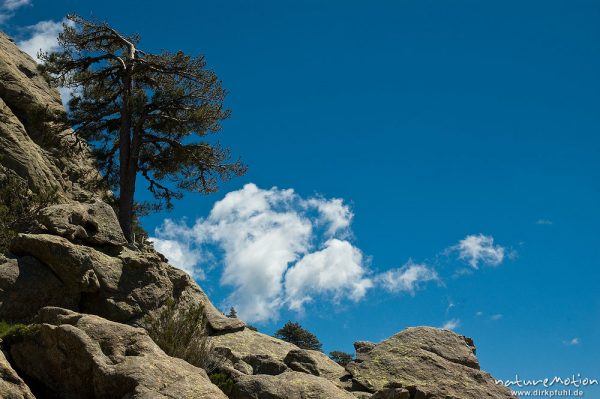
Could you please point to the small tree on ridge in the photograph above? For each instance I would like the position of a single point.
(295, 334)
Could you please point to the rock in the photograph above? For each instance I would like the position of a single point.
(242, 344)
(38, 150)
(265, 364)
(85, 356)
(392, 393)
(92, 223)
(121, 284)
(362, 395)
(327, 368)
(363, 347)
(11, 385)
(246, 343)
(288, 385)
(301, 360)
(27, 285)
(429, 362)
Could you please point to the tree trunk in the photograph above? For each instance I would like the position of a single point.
(126, 180)
(127, 191)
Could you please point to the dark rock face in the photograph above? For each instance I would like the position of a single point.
(27, 285)
(265, 364)
(301, 360)
(84, 356)
(11, 385)
(120, 284)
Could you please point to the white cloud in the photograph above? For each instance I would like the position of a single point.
(573, 342)
(180, 255)
(334, 213)
(496, 317)
(42, 36)
(476, 249)
(451, 305)
(268, 240)
(278, 250)
(479, 313)
(337, 269)
(12, 5)
(451, 324)
(407, 278)
(8, 8)
(544, 222)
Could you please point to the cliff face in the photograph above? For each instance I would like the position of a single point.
(86, 294)
(30, 144)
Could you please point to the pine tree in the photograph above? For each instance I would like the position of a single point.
(341, 358)
(232, 313)
(295, 334)
(143, 113)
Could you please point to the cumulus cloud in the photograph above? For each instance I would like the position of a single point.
(334, 213)
(337, 269)
(451, 324)
(278, 249)
(8, 8)
(12, 5)
(42, 36)
(180, 255)
(407, 278)
(476, 249)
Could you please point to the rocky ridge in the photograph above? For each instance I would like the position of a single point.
(85, 292)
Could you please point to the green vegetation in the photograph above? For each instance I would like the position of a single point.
(10, 333)
(223, 381)
(17, 205)
(295, 334)
(232, 313)
(341, 358)
(144, 114)
(181, 332)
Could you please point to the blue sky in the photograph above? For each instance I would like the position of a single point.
(431, 122)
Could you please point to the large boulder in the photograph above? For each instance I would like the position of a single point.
(429, 362)
(240, 346)
(83, 356)
(319, 364)
(11, 385)
(263, 364)
(246, 342)
(119, 283)
(301, 360)
(92, 222)
(287, 385)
